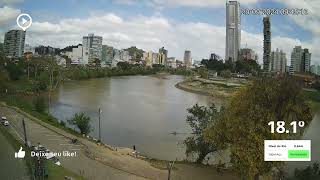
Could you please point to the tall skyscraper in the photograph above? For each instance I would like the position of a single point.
(187, 58)
(266, 44)
(278, 61)
(233, 30)
(300, 60)
(92, 48)
(162, 56)
(296, 59)
(13, 46)
(306, 60)
(107, 55)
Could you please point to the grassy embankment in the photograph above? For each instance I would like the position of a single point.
(220, 88)
(313, 98)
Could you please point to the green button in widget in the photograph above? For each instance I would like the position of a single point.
(298, 154)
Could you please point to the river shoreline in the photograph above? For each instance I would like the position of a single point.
(222, 90)
(120, 159)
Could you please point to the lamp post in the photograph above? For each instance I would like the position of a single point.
(100, 124)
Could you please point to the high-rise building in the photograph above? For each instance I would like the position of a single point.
(148, 58)
(162, 56)
(306, 60)
(187, 58)
(14, 43)
(300, 60)
(278, 61)
(107, 55)
(313, 69)
(266, 44)
(296, 59)
(233, 30)
(92, 49)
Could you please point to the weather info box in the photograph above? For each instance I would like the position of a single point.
(287, 150)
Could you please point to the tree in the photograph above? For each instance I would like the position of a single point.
(82, 122)
(309, 173)
(247, 66)
(39, 104)
(243, 126)
(124, 65)
(203, 72)
(15, 70)
(135, 53)
(200, 118)
(225, 73)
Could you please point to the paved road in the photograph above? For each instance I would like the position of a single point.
(81, 164)
(98, 162)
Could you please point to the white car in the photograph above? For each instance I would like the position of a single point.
(6, 123)
(3, 118)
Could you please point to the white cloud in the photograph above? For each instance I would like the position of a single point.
(151, 33)
(7, 15)
(10, 1)
(310, 22)
(186, 3)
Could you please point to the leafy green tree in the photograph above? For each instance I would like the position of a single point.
(203, 72)
(39, 103)
(225, 73)
(82, 122)
(124, 65)
(244, 124)
(15, 70)
(135, 53)
(247, 66)
(309, 173)
(200, 118)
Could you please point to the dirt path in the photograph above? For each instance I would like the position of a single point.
(94, 161)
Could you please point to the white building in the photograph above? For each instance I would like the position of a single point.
(233, 30)
(29, 49)
(155, 58)
(13, 46)
(300, 60)
(187, 58)
(171, 62)
(148, 58)
(92, 49)
(124, 56)
(76, 55)
(278, 61)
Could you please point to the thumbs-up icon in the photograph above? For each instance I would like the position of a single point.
(20, 154)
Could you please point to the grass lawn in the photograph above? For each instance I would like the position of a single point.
(58, 172)
(313, 97)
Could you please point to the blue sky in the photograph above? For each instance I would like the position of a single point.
(175, 22)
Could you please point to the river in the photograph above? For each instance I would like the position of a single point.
(143, 111)
(136, 110)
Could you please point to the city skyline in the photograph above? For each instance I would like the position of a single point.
(202, 33)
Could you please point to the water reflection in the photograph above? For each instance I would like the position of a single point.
(137, 110)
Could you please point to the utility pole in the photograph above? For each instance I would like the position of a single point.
(170, 166)
(99, 124)
(24, 132)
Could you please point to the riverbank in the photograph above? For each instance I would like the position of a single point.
(219, 88)
(98, 162)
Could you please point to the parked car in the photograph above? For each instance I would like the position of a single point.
(6, 123)
(3, 118)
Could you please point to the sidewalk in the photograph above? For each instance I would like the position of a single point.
(99, 162)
